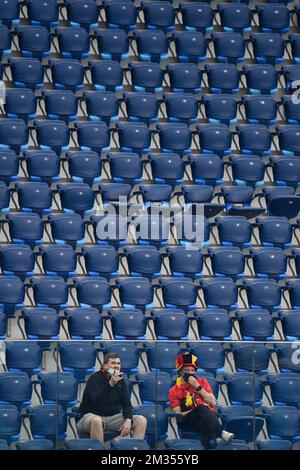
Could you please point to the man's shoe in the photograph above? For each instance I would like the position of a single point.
(227, 436)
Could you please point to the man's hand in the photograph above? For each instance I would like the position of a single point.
(193, 381)
(115, 379)
(183, 413)
(126, 428)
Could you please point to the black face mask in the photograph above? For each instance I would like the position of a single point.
(186, 376)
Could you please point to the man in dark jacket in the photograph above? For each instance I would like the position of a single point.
(106, 404)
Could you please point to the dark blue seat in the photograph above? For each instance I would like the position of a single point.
(23, 356)
(179, 293)
(273, 18)
(229, 47)
(143, 261)
(240, 421)
(100, 260)
(10, 13)
(286, 171)
(25, 228)
(190, 46)
(107, 75)
(120, 14)
(110, 230)
(219, 292)
(256, 324)
(222, 78)
(134, 137)
(101, 106)
(60, 104)
(235, 18)
(26, 72)
(67, 74)
(282, 422)
(12, 292)
(141, 107)
(211, 356)
(290, 110)
(197, 194)
(41, 323)
(269, 262)
(185, 262)
(183, 444)
(125, 167)
(288, 137)
(34, 41)
(76, 197)
(118, 444)
(14, 135)
(84, 323)
(154, 387)
(41, 14)
(20, 104)
(181, 107)
(227, 261)
(294, 40)
(170, 323)
(58, 387)
(292, 286)
(184, 78)
(4, 197)
(15, 389)
(290, 322)
(220, 109)
(167, 168)
(285, 389)
(129, 354)
(244, 388)
(42, 165)
(206, 169)
(193, 229)
(159, 193)
(251, 358)
(128, 323)
(146, 77)
(254, 139)
(49, 291)
(73, 43)
(284, 206)
(5, 41)
(10, 423)
(213, 324)
(35, 444)
(159, 15)
(152, 230)
(84, 167)
(47, 422)
(17, 260)
(260, 109)
(135, 292)
(92, 136)
(263, 293)
(67, 229)
(281, 444)
(235, 195)
(78, 358)
(112, 192)
(112, 44)
(157, 423)
(82, 14)
(235, 444)
(92, 292)
(197, 17)
(84, 444)
(234, 231)
(261, 78)
(52, 135)
(274, 231)
(268, 48)
(152, 46)
(291, 73)
(287, 358)
(161, 356)
(3, 325)
(58, 260)
(175, 138)
(214, 138)
(34, 197)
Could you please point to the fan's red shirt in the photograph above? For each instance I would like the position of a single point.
(178, 392)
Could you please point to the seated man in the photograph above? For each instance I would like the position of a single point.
(192, 399)
(106, 404)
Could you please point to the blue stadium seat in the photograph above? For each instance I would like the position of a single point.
(287, 358)
(286, 171)
(42, 166)
(167, 168)
(235, 444)
(290, 324)
(107, 75)
(11, 294)
(76, 197)
(170, 323)
(10, 13)
(270, 444)
(78, 358)
(146, 77)
(282, 422)
(47, 422)
(211, 356)
(197, 17)
(284, 206)
(256, 324)
(179, 293)
(67, 229)
(235, 18)
(92, 136)
(263, 293)
(183, 444)
(290, 110)
(52, 135)
(25, 228)
(159, 15)
(58, 387)
(60, 104)
(214, 138)
(134, 137)
(269, 192)
(274, 231)
(239, 420)
(234, 231)
(251, 357)
(190, 46)
(260, 109)
(84, 167)
(58, 260)
(3, 325)
(174, 138)
(49, 291)
(23, 356)
(157, 423)
(244, 388)
(73, 43)
(185, 262)
(194, 193)
(13, 135)
(213, 324)
(229, 47)
(120, 14)
(112, 44)
(254, 139)
(273, 18)
(26, 73)
(67, 74)
(101, 260)
(34, 41)
(137, 292)
(92, 292)
(154, 387)
(128, 323)
(41, 323)
(261, 78)
(192, 229)
(269, 262)
(35, 444)
(292, 286)
(129, 354)
(20, 104)
(141, 107)
(9, 162)
(184, 78)
(268, 48)
(41, 14)
(17, 260)
(34, 197)
(152, 46)
(117, 444)
(10, 423)
(222, 78)
(220, 109)
(5, 41)
(118, 230)
(152, 230)
(219, 292)
(234, 195)
(15, 389)
(288, 137)
(291, 73)
(101, 106)
(82, 14)
(84, 444)
(151, 193)
(227, 261)
(143, 261)
(285, 389)
(4, 197)
(181, 107)
(207, 169)
(84, 323)
(162, 355)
